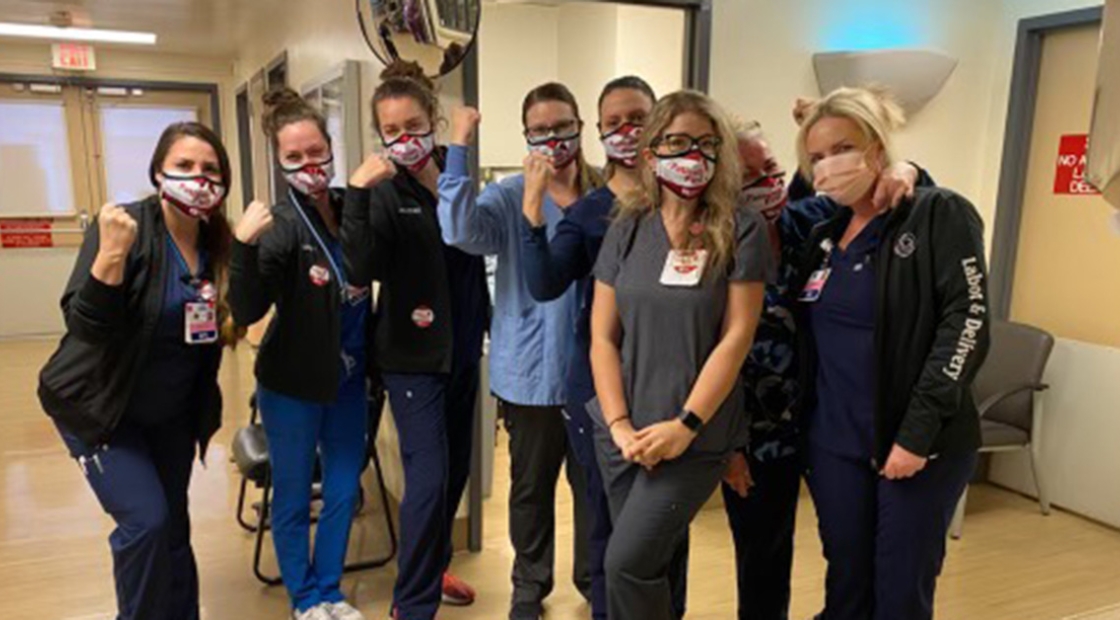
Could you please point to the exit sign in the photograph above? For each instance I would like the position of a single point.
(73, 57)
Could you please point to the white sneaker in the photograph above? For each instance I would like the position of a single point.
(318, 612)
(343, 611)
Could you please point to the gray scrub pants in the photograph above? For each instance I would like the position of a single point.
(647, 556)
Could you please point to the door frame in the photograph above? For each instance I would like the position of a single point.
(154, 85)
(1017, 145)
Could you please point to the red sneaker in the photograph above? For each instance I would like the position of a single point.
(456, 592)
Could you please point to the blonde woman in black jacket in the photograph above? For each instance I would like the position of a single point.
(893, 321)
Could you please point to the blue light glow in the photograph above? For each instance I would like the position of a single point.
(871, 25)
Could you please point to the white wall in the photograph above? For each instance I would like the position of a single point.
(588, 56)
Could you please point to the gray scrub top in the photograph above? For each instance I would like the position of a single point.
(668, 332)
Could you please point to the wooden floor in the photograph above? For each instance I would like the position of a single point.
(1013, 563)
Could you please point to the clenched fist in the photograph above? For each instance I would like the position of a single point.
(464, 122)
(117, 232)
(373, 170)
(256, 220)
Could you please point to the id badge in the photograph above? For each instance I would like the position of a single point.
(201, 322)
(684, 267)
(815, 286)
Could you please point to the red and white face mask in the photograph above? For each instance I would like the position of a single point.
(621, 145)
(311, 179)
(412, 151)
(195, 195)
(768, 196)
(562, 150)
(685, 175)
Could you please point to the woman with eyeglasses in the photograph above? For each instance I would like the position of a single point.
(763, 480)
(552, 266)
(311, 367)
(432, 312)
(679, 288)
(133, 387)
(530, 341)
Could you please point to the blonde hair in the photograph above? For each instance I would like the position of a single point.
(746, 130)
(873, 110)
(718, 202)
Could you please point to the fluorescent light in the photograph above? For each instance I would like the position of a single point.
(76, 34)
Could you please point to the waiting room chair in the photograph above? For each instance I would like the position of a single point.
(1008, 389)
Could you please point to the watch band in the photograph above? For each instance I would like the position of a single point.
(691, 421)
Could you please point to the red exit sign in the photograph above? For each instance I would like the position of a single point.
(73, 57)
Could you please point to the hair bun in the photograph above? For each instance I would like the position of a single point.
(281, 96)
(407, 70)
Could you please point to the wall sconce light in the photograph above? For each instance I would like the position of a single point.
(913, 76)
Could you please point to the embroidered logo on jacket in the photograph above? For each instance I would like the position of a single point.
(905, 245)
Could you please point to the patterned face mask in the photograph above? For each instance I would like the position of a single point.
(686, 175)
(312, 178)
(562, 150)
(412, 151)
(621, 145)
(195, 195)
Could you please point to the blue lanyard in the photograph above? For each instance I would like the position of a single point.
(322, 245)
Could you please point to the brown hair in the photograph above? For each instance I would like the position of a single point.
(215, 232)
(589, 178)
(282, 107)
(719, 201)
(407, 79)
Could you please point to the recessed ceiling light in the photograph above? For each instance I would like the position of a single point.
(76, 34)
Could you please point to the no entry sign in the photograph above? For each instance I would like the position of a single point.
(1070, 176)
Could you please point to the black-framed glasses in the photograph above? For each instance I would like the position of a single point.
(678, 144)
(564, 129)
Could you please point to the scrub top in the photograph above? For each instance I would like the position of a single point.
(167, 382)
(843, 324)
(669, 331)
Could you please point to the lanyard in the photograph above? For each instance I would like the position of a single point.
(322, 244)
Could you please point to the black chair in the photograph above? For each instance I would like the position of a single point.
(1008, 392)
(250, 453)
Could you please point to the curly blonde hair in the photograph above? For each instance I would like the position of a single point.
(718, 202)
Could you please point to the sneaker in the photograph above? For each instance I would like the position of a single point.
(343, 611)
(318, 612)
(456, 592)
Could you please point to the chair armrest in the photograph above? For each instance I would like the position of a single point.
(995, 399)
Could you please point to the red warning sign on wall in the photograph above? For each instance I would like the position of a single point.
(1070, 177)
(26, 234)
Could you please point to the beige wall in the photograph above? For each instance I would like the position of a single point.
(583, 45)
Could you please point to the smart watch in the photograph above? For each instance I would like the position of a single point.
(691, 421)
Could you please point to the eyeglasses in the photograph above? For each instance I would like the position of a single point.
(677, 144)
(564, 129)
(774, 178)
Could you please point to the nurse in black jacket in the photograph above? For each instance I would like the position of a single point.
(432, 311)
(133, 386)
(311, 369)
(893, 319)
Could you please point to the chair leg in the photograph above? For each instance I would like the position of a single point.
(1036, 455)
(262, 527)
(956, 528)
(389, 527)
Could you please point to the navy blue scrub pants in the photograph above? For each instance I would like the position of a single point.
(762, 526)
(884, 539)
(141, 480)
(434, 414)
(298, 432)
(581, 439)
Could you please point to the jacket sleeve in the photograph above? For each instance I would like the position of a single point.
(257, 273)
(96, 312)
(552, 266)
(366, 234)
(961, 342)
(474, 224)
